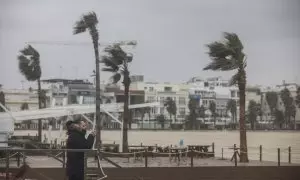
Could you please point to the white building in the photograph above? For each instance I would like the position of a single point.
(292, 87)
(14, 98)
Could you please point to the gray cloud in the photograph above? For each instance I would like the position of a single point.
(171, 36)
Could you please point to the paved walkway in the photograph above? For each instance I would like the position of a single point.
(43, 162)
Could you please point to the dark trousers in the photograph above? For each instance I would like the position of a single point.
(76, 177)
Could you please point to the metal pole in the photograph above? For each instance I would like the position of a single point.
(260, 153)
(222, 154)
(278, 151)
(146, 158)
(192, 158)
(235, 158)
(290, 154)
(213, 149)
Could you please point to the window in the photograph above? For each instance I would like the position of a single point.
(238, 94)
(150, 98)
(162, 110)
(181, 101)
(151, 89)
(162, 99)
(232, 93)
(168, 89)
(182, 111)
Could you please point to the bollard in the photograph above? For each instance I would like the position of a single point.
(192, 158)
(260, 153)
(213, 149)
(278, 151)
(290, 154)
(235, 158)
(146, 158)
(222, 154)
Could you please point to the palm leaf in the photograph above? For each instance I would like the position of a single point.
(218, 50)
(234, 79)
(116, 77)
(108, 69)
(87, 21)
(79, 27)
(90, 19)
(109, 62)
(233, 41)
(222, 65)
(117, 53)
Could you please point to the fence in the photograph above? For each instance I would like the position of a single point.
(189, 156)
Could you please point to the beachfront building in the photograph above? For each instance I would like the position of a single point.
(214, 90)
(158, 92)
(267, 117)
(15, 98)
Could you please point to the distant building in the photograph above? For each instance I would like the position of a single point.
(14, 98)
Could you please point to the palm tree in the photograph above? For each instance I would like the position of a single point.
(253, 111)
(212, 108)
(288, 102)
(89, 22)
(2, 100)
(193, 106)
(298, 97)
(272, 99)
(201, 113)
(231, 106)
(226, 56)
(29, 66)
(161, 119)
(117, 62)
(279, 118)
(171, 108)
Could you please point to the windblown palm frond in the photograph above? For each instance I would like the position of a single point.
(87, 21)
(29, 63)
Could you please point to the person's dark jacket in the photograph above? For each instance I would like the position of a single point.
(75, 160)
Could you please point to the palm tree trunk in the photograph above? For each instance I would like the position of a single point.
(243, 135)
(126, 112)
(98, 114)
(40, 107)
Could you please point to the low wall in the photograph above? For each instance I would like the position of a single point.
(165, 173)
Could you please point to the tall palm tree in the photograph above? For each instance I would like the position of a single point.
(29, 66)
(117, 62)
(226, 56)
(88, 22)
(288, 102)
(2, 100)
(231, 106)
(253, 111)
(193, 107)
(212, 108)
(298, 97)
(171, 108)
(272, 100)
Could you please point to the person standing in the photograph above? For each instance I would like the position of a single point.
(77, 140)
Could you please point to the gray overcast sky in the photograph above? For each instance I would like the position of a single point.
(171, 36)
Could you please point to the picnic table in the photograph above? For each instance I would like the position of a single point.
(178, 150)
(200, 148)
(137, 152)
